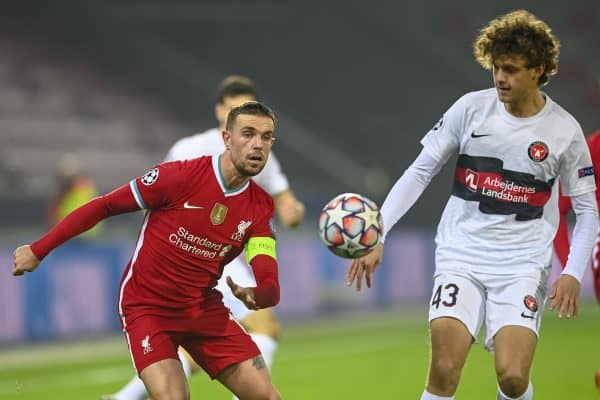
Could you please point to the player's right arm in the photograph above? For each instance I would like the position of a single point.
(440, 143)
(121, 200)
(148, 191)
(399, 200)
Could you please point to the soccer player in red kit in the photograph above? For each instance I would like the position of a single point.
(201, 214)
(561, 240)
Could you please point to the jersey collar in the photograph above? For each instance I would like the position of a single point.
(532, 119)
(219, 175)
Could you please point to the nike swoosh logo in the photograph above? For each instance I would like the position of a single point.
(527, 316)
(187, 205)
(474, 135)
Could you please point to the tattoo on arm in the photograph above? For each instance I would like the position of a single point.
(258, 362)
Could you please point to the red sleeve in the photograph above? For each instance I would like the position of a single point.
(85, 217)
(561, 240)
(158, 186)
(267, 281)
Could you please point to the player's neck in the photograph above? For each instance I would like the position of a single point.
(231, 177)
(528, 106)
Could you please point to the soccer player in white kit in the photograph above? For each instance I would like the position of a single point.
(494, 239)
(262, 325)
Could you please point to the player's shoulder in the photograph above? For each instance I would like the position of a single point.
(197, 138)
(194, 145)
(190, 165)
(563, 116)
(261, 196)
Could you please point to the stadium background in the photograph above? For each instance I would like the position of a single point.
(355, 87)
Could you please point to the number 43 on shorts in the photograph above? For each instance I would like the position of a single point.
(445, 295)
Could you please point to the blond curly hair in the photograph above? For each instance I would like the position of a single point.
(521, 33)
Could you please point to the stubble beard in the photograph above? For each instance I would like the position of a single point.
(245, 172)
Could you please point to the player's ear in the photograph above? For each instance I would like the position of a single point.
(539, 70)
(226, 138)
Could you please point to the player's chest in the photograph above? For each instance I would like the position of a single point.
(531, 149)
(227, 219)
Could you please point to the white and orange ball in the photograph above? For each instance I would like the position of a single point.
(350, 225)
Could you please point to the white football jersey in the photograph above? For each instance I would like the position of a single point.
(210, 143)
(503, 212)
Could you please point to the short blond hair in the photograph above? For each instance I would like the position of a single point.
(522, 33)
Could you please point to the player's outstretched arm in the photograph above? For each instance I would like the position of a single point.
(366, 266)
(24, 260)
(289, 209)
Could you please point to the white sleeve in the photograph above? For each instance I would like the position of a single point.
(443, 140)
(585, 234)
(177, 151)
(576, 169)
(271, 178)
(408, 188)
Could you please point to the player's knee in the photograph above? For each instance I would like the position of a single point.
(445, 374)
(168, 390)
(269, 393)
(513, 383)
(170, 393)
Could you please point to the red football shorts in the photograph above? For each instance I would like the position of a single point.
(214, 340)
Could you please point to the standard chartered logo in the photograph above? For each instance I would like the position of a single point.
(197, 245)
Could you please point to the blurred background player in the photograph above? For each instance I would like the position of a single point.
(74, 189)
(262, 325)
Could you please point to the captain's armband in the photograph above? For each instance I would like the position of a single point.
(261, 245)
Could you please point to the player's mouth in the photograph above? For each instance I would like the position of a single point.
(258, 158)
(503, 90)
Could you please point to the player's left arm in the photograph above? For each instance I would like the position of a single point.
(290, 210)
(261, 256)
(565, 291)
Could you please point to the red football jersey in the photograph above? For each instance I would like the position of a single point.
(193, 227)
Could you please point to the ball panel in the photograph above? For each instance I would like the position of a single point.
(371, 237)
(353, 225)
(354, 204)
(333, 234)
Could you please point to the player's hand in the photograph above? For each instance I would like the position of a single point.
(365, 265)
(246, 295)
(24, 260)
(289, 210)
(565, 296)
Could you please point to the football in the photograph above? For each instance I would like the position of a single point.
(350, 225)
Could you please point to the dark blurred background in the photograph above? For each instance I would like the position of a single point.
(113, 84)
(355, 84)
